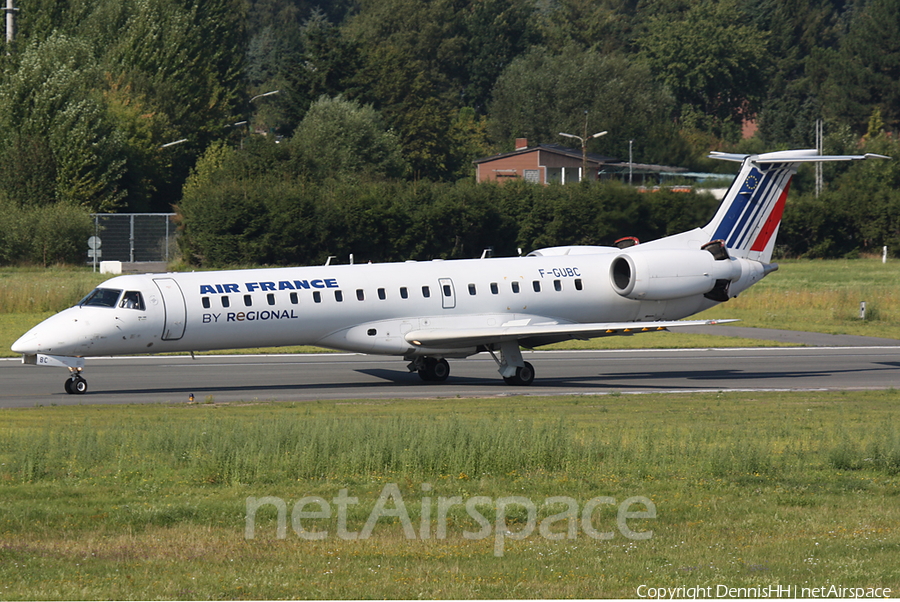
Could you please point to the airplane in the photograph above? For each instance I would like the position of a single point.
(428, 311)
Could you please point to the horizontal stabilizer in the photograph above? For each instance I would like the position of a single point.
(792, 156)
(454, 338)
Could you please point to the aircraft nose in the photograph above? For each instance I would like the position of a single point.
(26, 344)
(57, 334)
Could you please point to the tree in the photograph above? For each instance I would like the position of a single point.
(187, 58)
(714, 64)
(341, 138)
(317, 61)
(606, 25)
(413, 65)
(864, 73)
(496, 31)
(542, 93)
(52, 116)
(798, 31)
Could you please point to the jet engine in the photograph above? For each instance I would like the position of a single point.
(661, 275)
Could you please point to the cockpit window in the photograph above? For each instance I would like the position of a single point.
(132, 300)
(102, 297)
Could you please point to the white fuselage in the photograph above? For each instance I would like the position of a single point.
(366, 307)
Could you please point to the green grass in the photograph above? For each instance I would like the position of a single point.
(823, 296)
(750, 489)
(36, 290)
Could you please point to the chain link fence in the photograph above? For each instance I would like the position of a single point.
(133, 237)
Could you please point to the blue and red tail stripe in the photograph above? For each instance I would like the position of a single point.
(757, 197)
(751, 212)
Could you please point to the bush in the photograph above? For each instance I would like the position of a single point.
(45, 235)
(253, 207)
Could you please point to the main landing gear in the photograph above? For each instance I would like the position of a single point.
(524, 376)
(514, 370)
(431, 369)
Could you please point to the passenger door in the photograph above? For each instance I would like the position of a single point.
(176, 311)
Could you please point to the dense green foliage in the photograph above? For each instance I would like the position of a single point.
(401, 91)
(246, 207)
(43, 235)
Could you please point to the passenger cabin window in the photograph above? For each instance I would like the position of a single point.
(226, 302)
(447, 291)
(578, 284)
(515, 286)
(294, 299)
(102, 297)
(557, 285)
(317, 297)
(426, 292)
(134, 300)
(360, 294)
(536, 285)
(248, 300)
(204, 300)
(404, 293)
(471, 289)
(338, 296)
(495, 290)
(381, 294)
(271, 298)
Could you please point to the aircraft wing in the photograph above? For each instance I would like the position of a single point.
(540, 333)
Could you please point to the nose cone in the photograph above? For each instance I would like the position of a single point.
(26, 344)
(57, 334)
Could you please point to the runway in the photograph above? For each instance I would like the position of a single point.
(350, 376)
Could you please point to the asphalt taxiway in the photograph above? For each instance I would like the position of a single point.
(849, 363)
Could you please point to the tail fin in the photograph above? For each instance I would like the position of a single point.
(749, 216)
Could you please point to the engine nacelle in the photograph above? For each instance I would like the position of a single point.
(661, 275)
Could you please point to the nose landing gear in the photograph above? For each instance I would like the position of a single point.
(76, 384)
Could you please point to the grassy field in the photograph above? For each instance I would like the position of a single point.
(818, 296)
(823, 296)
(749, 490)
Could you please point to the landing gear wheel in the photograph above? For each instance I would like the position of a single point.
(524, 376)
(434, 370)
(76, 385)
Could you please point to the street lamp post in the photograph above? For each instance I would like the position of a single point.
(168, 144)
(630, 162)
(584, 140)
(247, 122)
(272, 93)
(237, 125)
